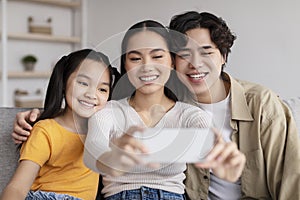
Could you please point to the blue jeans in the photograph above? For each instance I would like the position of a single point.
(41, 195)
(145, 193)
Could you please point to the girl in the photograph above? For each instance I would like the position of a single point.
(111, 150)
(51, 164)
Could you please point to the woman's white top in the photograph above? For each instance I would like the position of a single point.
(113, 121)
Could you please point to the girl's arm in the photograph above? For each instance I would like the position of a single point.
(20, 184)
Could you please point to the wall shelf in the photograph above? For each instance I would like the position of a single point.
(28, 74)
(43, 37)
(61, 3)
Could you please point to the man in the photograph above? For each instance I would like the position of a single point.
(246, 113)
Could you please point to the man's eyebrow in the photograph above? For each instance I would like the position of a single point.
(206, 47)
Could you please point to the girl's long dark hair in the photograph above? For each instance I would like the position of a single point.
(124, 88)
(62, 70)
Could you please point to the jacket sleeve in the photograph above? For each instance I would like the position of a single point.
(281, 148)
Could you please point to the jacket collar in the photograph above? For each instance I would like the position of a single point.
(239, 106)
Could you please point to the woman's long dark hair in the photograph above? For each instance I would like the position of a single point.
(62, 70)
(124, 88)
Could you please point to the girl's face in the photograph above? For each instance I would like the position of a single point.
(199, 63)
(148, 62)
(87, 88)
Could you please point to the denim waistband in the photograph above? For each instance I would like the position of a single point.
(38, 195)
(146, 193)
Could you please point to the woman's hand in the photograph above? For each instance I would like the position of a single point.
(124, 154)
(22, 125)
(225, 160)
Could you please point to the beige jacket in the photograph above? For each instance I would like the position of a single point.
(266, 133)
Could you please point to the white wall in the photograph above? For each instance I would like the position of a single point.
(268, 33)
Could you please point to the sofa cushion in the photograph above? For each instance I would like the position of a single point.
(8, 150)
(294, 104)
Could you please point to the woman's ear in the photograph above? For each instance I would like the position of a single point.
(173, 62)
(225, 59)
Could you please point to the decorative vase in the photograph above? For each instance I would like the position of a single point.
(29, 66)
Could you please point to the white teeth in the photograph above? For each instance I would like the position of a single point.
(87, 104)
(197, 76)
(148, 78)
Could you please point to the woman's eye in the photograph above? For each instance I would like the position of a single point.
(134, 59)
(158, 56)
(82, 83)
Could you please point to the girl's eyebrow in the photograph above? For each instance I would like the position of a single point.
(105, 83)
(87, 77)
(83, 75)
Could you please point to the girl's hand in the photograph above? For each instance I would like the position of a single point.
(124, 153)
(225, 160)
(22, 125)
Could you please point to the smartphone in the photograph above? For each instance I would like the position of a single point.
(176, 145)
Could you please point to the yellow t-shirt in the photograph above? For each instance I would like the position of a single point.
(59, 152)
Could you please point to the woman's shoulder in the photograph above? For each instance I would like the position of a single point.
(121, 102)
(112, 107)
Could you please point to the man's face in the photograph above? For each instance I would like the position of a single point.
(199, 63)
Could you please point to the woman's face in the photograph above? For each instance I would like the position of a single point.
(199, 63)
(88, 88)
(148, 61)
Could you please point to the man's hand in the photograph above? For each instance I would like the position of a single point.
(225, 160)
(22, 125)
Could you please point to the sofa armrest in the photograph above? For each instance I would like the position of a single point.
(9, 153)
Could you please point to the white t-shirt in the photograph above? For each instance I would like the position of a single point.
(221, 116)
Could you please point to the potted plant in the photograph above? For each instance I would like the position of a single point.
(29, 62)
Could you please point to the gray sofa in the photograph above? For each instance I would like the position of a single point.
(9, 153)
(8, 150)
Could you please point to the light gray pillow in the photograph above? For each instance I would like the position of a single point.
(294, 104)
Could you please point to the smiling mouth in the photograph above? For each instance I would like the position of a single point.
(198, 76)
(148, 78)
(87, 104)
